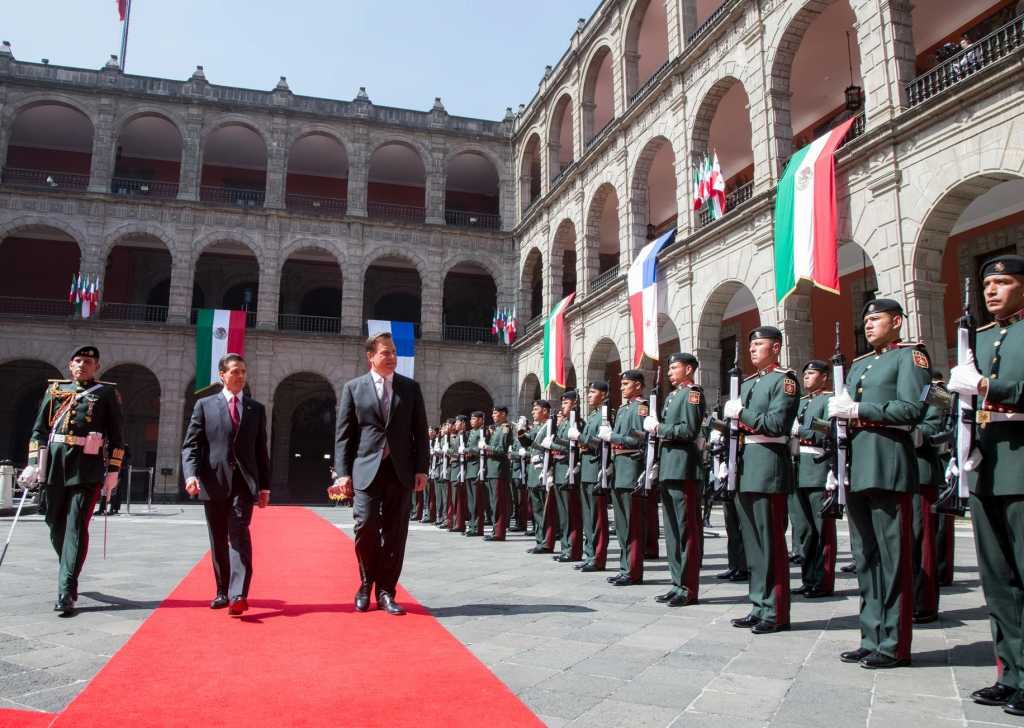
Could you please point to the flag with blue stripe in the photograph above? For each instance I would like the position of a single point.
(404, 335)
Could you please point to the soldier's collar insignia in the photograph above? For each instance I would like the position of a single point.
(888, 347)
(1012, 318)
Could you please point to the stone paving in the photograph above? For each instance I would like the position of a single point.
(576, 649)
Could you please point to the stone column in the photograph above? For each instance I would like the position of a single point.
(172, 419)
(886, 42)
(587, 130)
(631, 61)
(358, 174)
(507, 203)
(191, 156)
(277, 165)
(431, 299)
(179, 300)
(269, 287)
(795, 324)
(352, 301)
(437, 176)
(925, 322)
(104, 143)
(6, 122)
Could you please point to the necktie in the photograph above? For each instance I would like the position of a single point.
(233, 411)
(385, 399)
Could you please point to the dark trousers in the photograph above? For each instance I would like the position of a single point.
(799, 523)
(474, 507)
(595, 526)
(441, 490)
(684, 535)
(227, 522)
(570, 520)
(882, 540)
(926, 552)
(538, 496)
(417, 513)
(458, 508)
(818, 570)
(946, 539)
(498, 495)
(521, 506)
(429, 514)
(652, 529)
(68, 512)
(734, 536)
(630, 528)
(763, 521)
(999, 532)
(381, 515)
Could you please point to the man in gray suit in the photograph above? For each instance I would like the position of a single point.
(226, 465)
(381, 456)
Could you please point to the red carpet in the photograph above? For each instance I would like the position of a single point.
(301, 656)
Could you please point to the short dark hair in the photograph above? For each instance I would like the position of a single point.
(225, 361)
(373, 339)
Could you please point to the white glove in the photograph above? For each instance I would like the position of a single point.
(830, 482)
(723, 471)
(964, 379)
(843, 407)
(973, 461)
(547, 442)
(28, 475)
(462, 449)
(522, 452)
(652, 473)
(795, 429)
(651, 424)
(715, 437)
(732, 409)
(952, 470)
(605, 433)
(573, 433)
(109, 484)
(521, 422)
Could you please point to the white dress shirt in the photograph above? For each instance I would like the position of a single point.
(228, 396)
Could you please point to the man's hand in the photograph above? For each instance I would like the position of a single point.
(843, 406)
(341, 487)
(521, 423)
(830, 481)
(109, 484)
(605, 433)
(732, 409)
(573, 433)
(547, 442)
(651, 424)
(28, 476)
(965, 379)
(264, 499)
(420, 483)
(192, 487)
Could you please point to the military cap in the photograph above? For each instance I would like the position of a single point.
(500, 408)
(461, 418)
(1003, 265)
(882, 305)
(87, 351)
(477, 413)
(571, 394)
(817, 365)
(600, 386)
(683, 358)
(765, 332)
(542, 403)
(633, 375)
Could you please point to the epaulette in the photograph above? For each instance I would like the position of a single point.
(911, 345)
(109, 384)
(696, 386)
(59, 381)
(986, 326)
(752, 376)
(865, 356)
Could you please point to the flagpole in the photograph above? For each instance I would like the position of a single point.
(124, 34)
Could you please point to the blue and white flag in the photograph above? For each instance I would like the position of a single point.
(404, 334)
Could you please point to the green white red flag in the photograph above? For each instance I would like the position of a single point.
(556, 343)
(218, 332)
(805, 217)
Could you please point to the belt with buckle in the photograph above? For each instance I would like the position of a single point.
(764, 440)
(811, 450)
(70, 440)
(868, 425)
(984, 417)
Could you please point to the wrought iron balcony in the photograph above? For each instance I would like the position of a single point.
(649, 83)
(469, 334)
(462, 218)
(17, 306)
(392, 211)
(532, 325)
(44, 179)
(602, 132)
(232, 196)
(309, 324)
(144, 188)
(606, 279)
(704, 27)
(732, 200)
(311, 205)
(138, 312)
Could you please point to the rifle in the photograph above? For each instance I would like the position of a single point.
(835, 501)
(734, 426)
(649, 476)
(571, 479)
(462, 457)
(713, 458)
(546, 472)
(602, 481)
(481, 445)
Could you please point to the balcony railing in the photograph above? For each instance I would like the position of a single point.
(997, 44)
(715, 16)
(15, 306)
(605, 279)
(144, 188)
(309, 324)
(250, 318)
(391, 211)
(232, 196)
(533, 324)
(649, 83)
(310, 205)
(140, 312)
(469, 334)
(732, 200)
(461, 218)
(41, 178)
(602, 132)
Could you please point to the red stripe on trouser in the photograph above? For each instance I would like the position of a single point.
(651, 532)
(550, 519)
(929, 552)
(575, 524)
(694, 541)
(779, 556)
(905, 625)
(450, 505)
(637, 531)
(600, 531)
(829, 547)
(459, 522)
(501, 509)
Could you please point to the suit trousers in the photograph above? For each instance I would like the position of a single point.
(68, 511)
(381, 514)
(227, 521)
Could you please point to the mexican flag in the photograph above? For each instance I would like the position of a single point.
(218, 332)
(805, 217)
(90, 298)
(75, 294)
(555, 346)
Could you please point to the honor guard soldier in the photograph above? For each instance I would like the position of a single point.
(997, 505)
(543, 530)
(736, 555)
(883, 405)
(442, 490)
(475, 479)
(766, 410)
(457, 502)
(818, 566)
(429, 514)
(499, 471)
(76, 448)
(594, 455)
(630, 507)
(566, 491)
(931, 478)
(679, 432)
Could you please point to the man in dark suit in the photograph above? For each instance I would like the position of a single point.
(226, 465)
(381, 450)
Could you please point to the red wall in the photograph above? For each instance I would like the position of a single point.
(158, 170)
(215, 176)
(37, 268)
(470, 202)
(50, 160)
(305, 184)
(745, 323)
(396, 194)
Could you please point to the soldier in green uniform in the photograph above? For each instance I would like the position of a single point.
(630, 508)
(457, 500)
(499, 471)
(566, 491)
(736, 555)
(679, 431)
(76, 448)
(429, 512)
(543, 517)
(475, 479)
(766, 409)
(594, 500)
(997, 492)
(883, 404)
(443, 488)
(931, 477)
(818, 566)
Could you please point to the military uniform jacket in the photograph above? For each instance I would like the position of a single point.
(888, 385)
(453, 456)
(443, 467)
(531, 440)
(809, 473)
(590, 459)
(627, 445)
(499, 449)
(1000, 355)
(930, 470)
(560, 450)
(770, 400)
(473, 454)
(95, 411)
(681, 419)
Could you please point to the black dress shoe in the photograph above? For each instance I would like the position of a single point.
(219, 602)
(387, 602)
(662, 598)
(849, 568)
(796, 559)
(740, 576)
(588, 567)
(854, 655)
(614, 578)
(530, 532)
(878, 661)
(726, 574)
(680, 600)
(745, 622)
(65, 605)
(237, 606)
(538, 550)
(624, 580)
(580, 565)
(564, 559)
(997, 694)
(802, 589)
(1015, 705)
(925, 617)
(492, 537)
(816, 593)
(766, 627)
(363, 598)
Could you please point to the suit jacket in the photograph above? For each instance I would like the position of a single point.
(363, 432)
(211, 454)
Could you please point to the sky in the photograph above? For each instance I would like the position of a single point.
(479, 56)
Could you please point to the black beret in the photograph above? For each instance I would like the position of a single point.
(500, 408)
(542, 403)
(477, 413)
(633, 375)
(571, 394)
(600, 386)
(818, 365)
(683, 358)
(765, 332)
(882, 305)
(87, 351)
(1003, 265)
(461, 418)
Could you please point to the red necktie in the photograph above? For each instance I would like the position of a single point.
(233, 411)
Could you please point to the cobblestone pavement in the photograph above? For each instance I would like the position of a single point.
(576, 649)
